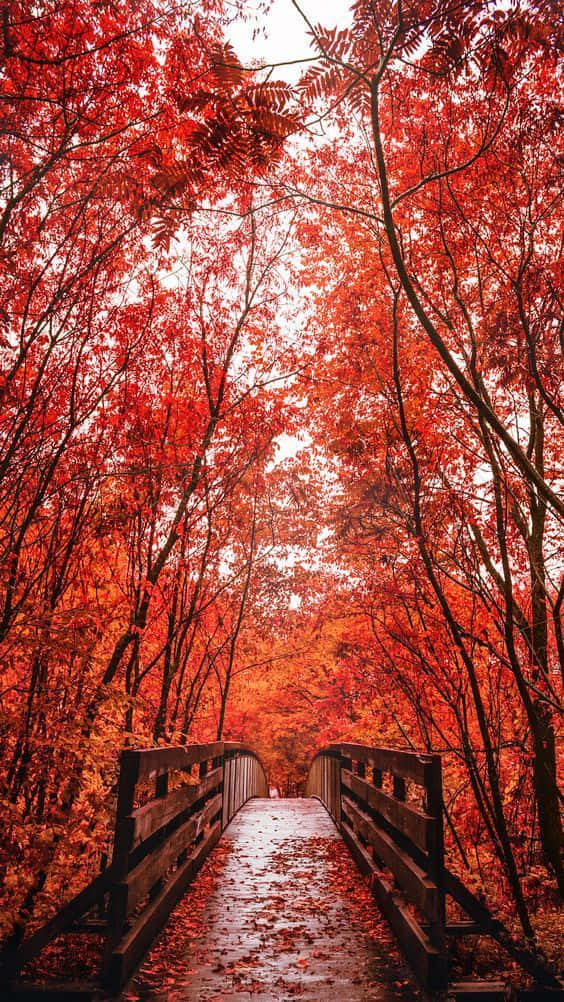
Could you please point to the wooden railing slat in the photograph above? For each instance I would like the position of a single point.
(229, 773)
(410, 765)
(147, 872)
(415, 883)
(153, 760)
(63, 920)
(348, 779)
(416, 825)
(427, 961)
(157, 813)
(134, 944)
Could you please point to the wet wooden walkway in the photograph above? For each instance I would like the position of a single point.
(278, 913)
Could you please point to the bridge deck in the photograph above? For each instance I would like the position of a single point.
(278, 913)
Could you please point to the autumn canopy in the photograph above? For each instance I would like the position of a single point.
(280, 426)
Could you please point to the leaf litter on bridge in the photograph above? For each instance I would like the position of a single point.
(278, 913)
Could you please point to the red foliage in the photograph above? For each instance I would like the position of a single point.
(182, 284)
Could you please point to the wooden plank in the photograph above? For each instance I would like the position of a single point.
(55, 991)
(159, 812)
(359, 852)
(471, 904)
(225, 792)
(96, 926)
(457, 930)
(239, 782)
(140, 880)
(234, 747)
(417, 886)
(428, 963)
(324, 783)
(337, 791)
(415, 824)
(231, 799)
(410, 765)
(131, 949)
(464, 928)
(479, 991)
(152, 760)
(232, 780)
(69, 913)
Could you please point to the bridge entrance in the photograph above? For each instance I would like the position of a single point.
(280, 918)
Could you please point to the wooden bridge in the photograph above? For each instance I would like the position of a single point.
(173, 804)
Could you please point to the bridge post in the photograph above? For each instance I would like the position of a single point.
(434, 797)
(123, 840)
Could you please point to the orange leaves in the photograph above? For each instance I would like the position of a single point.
(154, 354)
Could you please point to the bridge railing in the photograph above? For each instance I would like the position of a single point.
(172, 805)
(387, 804)
(161, 843)
(243, 777)
(324, 782)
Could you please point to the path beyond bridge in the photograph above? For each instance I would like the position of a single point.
(286, 917)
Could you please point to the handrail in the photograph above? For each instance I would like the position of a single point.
(238, 783)
(387, 803)
(168, 820)
(174, 831)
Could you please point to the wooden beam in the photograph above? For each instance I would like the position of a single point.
(60, 923)
(479, 991)
(455, 930)
(410, 765)
(153, 760)
(133, 946)
(417, 886)
(159, 812)
(427, 961)
(491, 926)
(415, 824)
(140, 880)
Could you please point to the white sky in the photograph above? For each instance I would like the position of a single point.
(283, 34)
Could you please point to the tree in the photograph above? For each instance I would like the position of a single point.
(120, 410)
